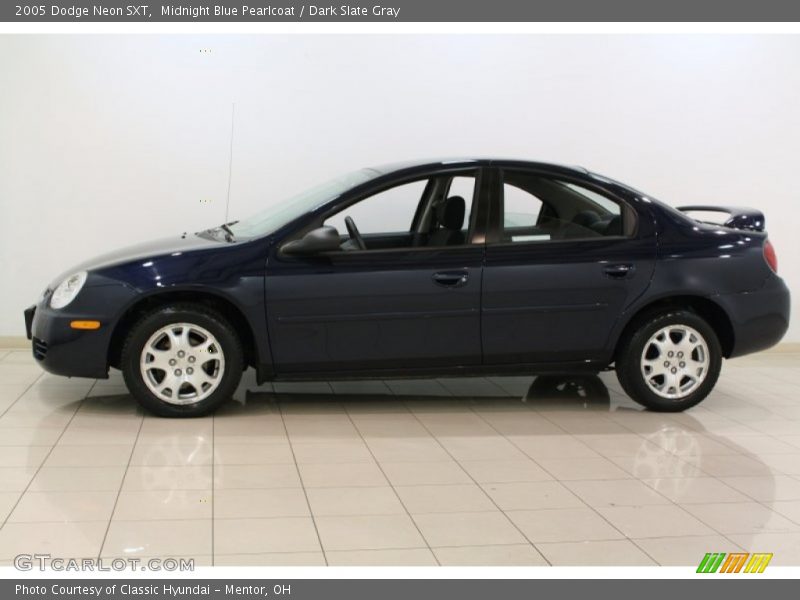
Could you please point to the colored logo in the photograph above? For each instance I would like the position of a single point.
(734, 562)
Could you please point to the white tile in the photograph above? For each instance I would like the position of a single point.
(420, 499)
(15, 479)
(485, 556)
(162, 504)
(168, 477)
(685, 551)
(741, 517)
(417, 557)
(766, 489)
(735, 466)
(29, 436)
(36, 507)
(468, 529)
(552, 446)
(271, 559)
(784, 546)
(354, 501)
(74, 479)
(258, 536)
(563, 525)
(260, 503)
(23, 456)
(183, 453)
(57, 539)
(253, 454)
(789, 509)
(695, 490)
(653, 521)
(410, 449)
(7, 502)
(532, 495)
(334, 451)
(657, 465)
(480, 448)
(595, 553)
(341, 475)
(567, 469)
(256, 476)
(368, 532)
(422, 473)
(89, 456)
(505, 471)
(158, 538)
(621, 492)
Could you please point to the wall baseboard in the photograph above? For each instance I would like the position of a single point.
(785, 347)
(15, 342)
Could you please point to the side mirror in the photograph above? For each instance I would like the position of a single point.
(322, 239)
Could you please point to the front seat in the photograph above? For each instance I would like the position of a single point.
(450, 215)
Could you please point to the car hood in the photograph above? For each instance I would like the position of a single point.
(175, 245)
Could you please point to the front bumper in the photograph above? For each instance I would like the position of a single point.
(62, 350)
(759, 318)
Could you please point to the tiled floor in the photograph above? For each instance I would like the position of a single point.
(484, 471)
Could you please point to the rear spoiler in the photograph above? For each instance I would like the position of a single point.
(749, 219)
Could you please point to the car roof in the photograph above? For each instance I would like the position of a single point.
(424, 164)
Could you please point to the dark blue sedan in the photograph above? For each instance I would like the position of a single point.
(447, 267)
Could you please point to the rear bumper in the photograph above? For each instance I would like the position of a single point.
(759, 318)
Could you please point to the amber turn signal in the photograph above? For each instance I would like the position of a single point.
(85, 324)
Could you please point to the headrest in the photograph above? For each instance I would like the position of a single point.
(586, 218)
(450, 213)
(614, 226)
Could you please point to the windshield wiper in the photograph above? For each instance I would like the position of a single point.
(228, 231)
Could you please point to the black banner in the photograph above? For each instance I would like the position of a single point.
(735, 588)
(401, 11)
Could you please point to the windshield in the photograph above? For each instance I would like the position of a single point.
(278, 215)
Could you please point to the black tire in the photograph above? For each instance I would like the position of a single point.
(628, 360)
(194, 314)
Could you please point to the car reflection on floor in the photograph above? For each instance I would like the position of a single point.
(516, 470)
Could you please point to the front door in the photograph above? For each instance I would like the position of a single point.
(410, 299)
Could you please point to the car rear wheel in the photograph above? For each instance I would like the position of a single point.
(670, 361)
(182, 360)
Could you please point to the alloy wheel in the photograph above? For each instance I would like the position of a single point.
(675, 361)
(182, 363)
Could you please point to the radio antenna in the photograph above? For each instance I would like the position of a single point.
(230, 164)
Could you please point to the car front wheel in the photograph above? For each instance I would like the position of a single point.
(670, 361)
(182, 360)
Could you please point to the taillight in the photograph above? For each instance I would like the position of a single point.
(769, 256)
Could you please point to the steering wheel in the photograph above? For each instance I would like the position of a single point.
(354, 234)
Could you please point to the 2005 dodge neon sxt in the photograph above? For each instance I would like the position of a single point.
(424, 269)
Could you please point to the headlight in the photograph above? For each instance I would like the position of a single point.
(67, 290)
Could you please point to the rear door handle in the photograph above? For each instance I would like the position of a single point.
(451, 279)
(620, 271)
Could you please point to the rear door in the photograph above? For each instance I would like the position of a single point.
(563, 259)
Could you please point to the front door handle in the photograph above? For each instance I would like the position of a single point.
(619, 271)
(451, 279)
